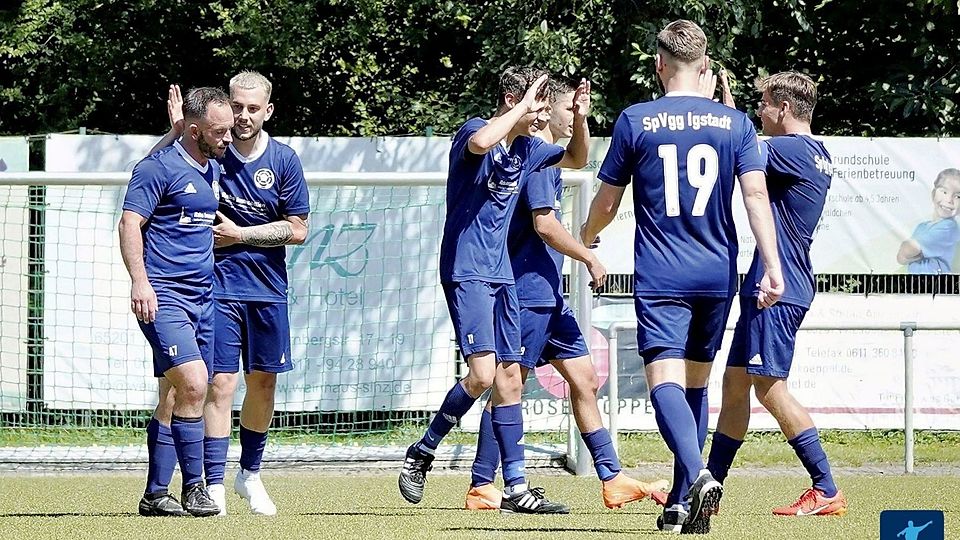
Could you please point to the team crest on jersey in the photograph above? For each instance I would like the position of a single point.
(264, 178)
(216, 189)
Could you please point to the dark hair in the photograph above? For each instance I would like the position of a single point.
(198, 100)
(560, 85)
(516, 80)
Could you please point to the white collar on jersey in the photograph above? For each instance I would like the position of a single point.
(681, 93)
(258, 150)
(189, 159)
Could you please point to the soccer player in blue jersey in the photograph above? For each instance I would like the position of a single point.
(166, 240)
(264, 206)
(683, 153)
(490, 161)
(799, 172)
(537, 244)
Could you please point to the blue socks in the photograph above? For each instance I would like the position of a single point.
(508, 426)
(679, 429)
(188, 439)
(697, 401)
(814, 459)
(488, 453)
(605, 459)
(455, 405)
(215, 458)
(723, 450)
(162, 457)
(252, 444)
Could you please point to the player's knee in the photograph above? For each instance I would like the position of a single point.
(262, 383)
(770, 392)
(478, 381)
(585, 383)
(222, 389)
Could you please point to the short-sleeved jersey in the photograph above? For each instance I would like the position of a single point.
(176, 196)
(938, 243)
(799, 172)
(682, 152)
(261, 188)
(482, 193)
(537, 267)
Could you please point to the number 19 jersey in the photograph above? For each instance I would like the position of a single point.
(682, 152)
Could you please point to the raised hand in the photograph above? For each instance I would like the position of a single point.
(536, 98)
(581, 99)
(725, 88)
(175, 108)
(707, 85)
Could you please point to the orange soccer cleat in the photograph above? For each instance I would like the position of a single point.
(485, 497)
(660, 498)
(621, 489)
(814, 503)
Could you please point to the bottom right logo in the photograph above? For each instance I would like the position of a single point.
(911, 525)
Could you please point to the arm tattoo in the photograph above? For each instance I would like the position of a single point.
(268, 235)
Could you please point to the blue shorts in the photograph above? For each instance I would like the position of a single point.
(680, 327)
(549, 333)
(764, 339)
(259, 332)
(486, 318)
(182, 332)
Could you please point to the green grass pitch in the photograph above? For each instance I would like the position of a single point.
(366, 505)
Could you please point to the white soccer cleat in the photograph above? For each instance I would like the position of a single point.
(219, 495)
(249, 486)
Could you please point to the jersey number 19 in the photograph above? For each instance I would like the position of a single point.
(702, 171)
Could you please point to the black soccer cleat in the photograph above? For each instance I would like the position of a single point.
(413, 475)
(532, 501)
(197, 501)
(672, 519)
(161, 504)
(704, 497)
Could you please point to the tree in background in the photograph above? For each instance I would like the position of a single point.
(377, 67)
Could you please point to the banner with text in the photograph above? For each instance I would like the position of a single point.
(14, 272)
(891, 209)
(846, 379)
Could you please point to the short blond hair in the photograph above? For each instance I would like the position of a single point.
(251, 80)
(796, 88)
(683, 40)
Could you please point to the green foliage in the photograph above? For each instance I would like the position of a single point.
(373, 67)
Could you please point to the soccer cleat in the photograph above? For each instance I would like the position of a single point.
(197, 501)
(219, 495)
(814, 503)
(161, 504)
(621, 489)
(704, 497)
(660, 497)
(249, 486)
(532, 501)
(485, 497)
(672, 519)
(413, 475)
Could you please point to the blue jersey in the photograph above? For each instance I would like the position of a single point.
(938, 243)
(799, 171)
(262, 188)
(482, 193)
(176, 196)
(683, 152)
(537, 267)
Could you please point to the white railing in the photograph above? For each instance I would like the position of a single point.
(908, 329)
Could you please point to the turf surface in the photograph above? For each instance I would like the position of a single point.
(367, 506)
